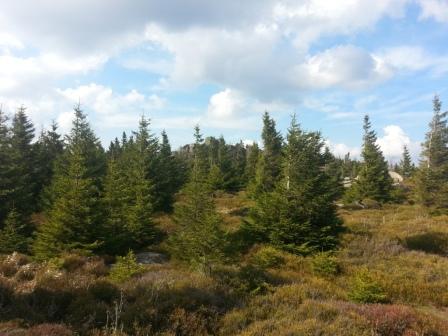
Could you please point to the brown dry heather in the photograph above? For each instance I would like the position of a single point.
(389, 277)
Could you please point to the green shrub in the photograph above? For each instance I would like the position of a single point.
(125, 268)
(267, 257)
(366, 290)
(247, 279)
(325, 264)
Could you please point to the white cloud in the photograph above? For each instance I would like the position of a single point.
(35, 75)
(414, 58)
(436, 9)
(113, 110)
(260, 48)
(393, 141)
(308, 20)
(232, 109)
(106, 108)
(225, 105)
(340, 149)
(346, 66)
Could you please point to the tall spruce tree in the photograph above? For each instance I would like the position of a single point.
(373, 181)
(406, 167)
(74, 219)
(22, 164)
(48, 149)
(140, 178)
(431, 187)
(269, 165)
(199, 240)
(300, 215)
(117, 199)
(169, 176)
(129, 194)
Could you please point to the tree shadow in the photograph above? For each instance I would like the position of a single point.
(429, 242)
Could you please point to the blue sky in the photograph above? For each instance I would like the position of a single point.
(223, 63)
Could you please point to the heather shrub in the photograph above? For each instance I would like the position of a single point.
(325, 264)
(389, 320)
(105, 291)
(72, 262)
(187, 323)
(247, 279)
(365, 289)
(48, 329)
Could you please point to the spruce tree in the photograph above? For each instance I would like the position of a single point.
(300, 215)
(169, 177)
(431, 187)
(129, 194)
(22, 164)
(253, 155)
(74, 218)
(117, 199)
(199, 240)
(140, 212)
(13, 235)
(406, 167)
(239, 160)
(269, 166)
(373, 181)
(48, 149)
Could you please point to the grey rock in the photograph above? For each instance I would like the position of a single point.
(147, 258)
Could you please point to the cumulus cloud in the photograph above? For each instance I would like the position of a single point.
(340, 149)
(391, 144)
(346, 66)
(393, 141)
(232, 109)
(28, 74)
(107, 109)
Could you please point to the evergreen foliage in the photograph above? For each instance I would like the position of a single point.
(129, 194)
(199, 240)
(125, 268)
(406, 167)
(373, 181)
(169, 176)
(432, 176)
(268, 171)
(12, 236)
(300, 215)
(5, 168)
(49, 149)
(74, 219)
(22, 164)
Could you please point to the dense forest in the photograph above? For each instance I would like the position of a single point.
(77, 215)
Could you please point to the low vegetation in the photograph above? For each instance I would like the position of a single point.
(375, 283)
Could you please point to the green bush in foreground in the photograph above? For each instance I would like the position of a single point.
(366, 290)
(325, 264)
(125, 268)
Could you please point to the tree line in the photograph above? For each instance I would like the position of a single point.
(68, 194)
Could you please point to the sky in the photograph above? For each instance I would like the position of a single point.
(221, 64)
